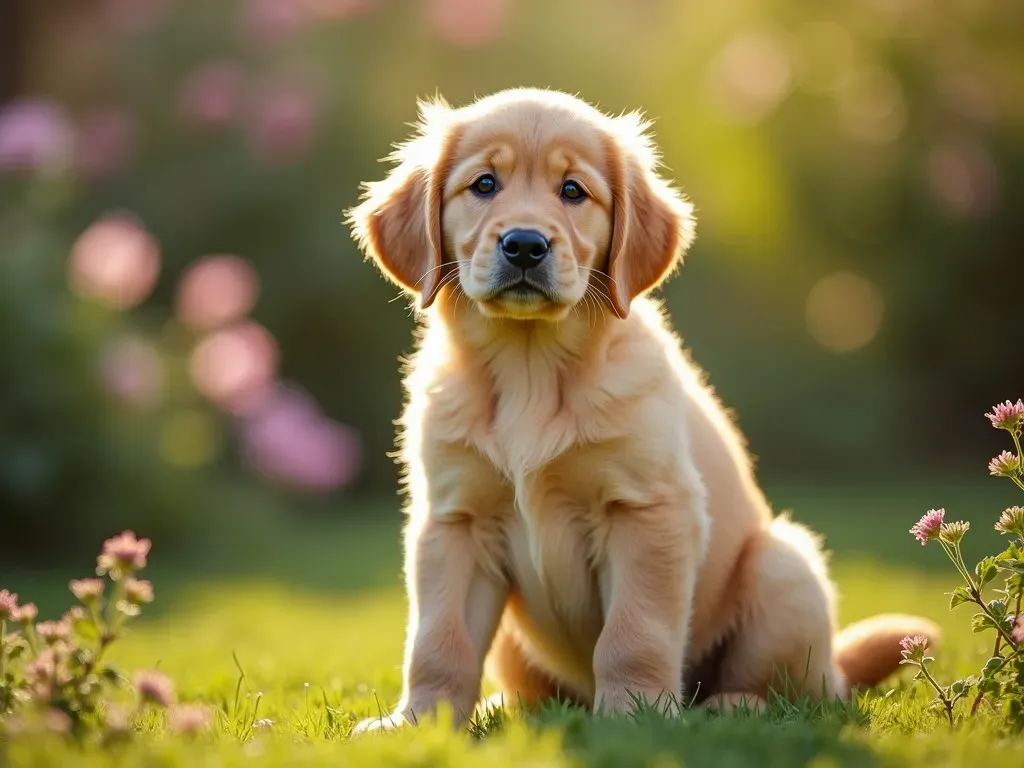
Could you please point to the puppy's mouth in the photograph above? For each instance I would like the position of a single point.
(523, 300)
(521, 290)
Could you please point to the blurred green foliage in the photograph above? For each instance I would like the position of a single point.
(882, 138)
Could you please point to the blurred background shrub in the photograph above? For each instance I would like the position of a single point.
(182, 310)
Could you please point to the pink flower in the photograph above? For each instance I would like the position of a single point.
(35, 135)
(289, 440)
(282, 123)
(73, 615)
(1008, 415)
(213, 95)
(234, 366)
(26, 613)
(106, 142)
(138, 591)
(216, 290)
(57, 721)
(154, 688)
(1011, 521)
(132, 371)
(952, 533)
(86, 590)
(1006, 464)
(913, 648)
(8, 604)
(928, 526)
(115, 262)
(189, 719)
(124, 553)
(53, 631)
(1018, 629)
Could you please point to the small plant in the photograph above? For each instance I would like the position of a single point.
(54, 675)
(1001, 679)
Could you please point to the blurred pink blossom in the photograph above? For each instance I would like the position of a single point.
(467, 22)
(135, 15)
(115, 262)
(132, 370)
(216, 290)
(106, 141)
(212, 95)
(289, 440)
(35, 134)
(269, 22)
(234, 366)
(282, 122)
(963, 177)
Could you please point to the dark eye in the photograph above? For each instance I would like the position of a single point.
(485, 185)
(572, 192)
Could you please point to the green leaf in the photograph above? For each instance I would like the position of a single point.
(958, 596)
(980, 622)
(998, 608)
(86, 629)
(992, 666)
(989, 685)
(986, 570)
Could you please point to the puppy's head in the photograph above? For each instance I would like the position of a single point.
(529, 200)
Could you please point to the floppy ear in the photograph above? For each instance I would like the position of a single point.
(398, 224)
(653, 224)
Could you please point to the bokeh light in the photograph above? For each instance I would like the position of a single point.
(288, 439)
(871, 105)
(35, 135)
(132, 371)
(844, 311)
(282, 122)
(213, 94)
(114, 262)
(106, 141)
(752, 74)
(216, 290)
(963, 176)
(233, 367)
(467, 22)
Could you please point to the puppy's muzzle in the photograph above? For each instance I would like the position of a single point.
(524, 248)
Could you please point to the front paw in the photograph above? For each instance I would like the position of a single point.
(392, 722)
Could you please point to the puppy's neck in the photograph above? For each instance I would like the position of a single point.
(564, 346)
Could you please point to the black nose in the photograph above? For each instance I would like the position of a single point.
(524, 248)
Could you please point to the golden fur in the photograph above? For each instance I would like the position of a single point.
(583, 515)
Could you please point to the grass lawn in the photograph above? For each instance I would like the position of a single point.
(314, 614)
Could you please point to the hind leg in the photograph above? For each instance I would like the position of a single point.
(784, 639)
(519, 680)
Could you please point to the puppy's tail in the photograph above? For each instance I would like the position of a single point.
(868, 651)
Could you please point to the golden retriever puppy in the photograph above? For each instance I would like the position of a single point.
(583, 516)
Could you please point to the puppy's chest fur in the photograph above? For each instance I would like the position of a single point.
(546, 462)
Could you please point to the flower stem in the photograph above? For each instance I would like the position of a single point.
(981, 694)
(940, 691)
(1020, 458)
